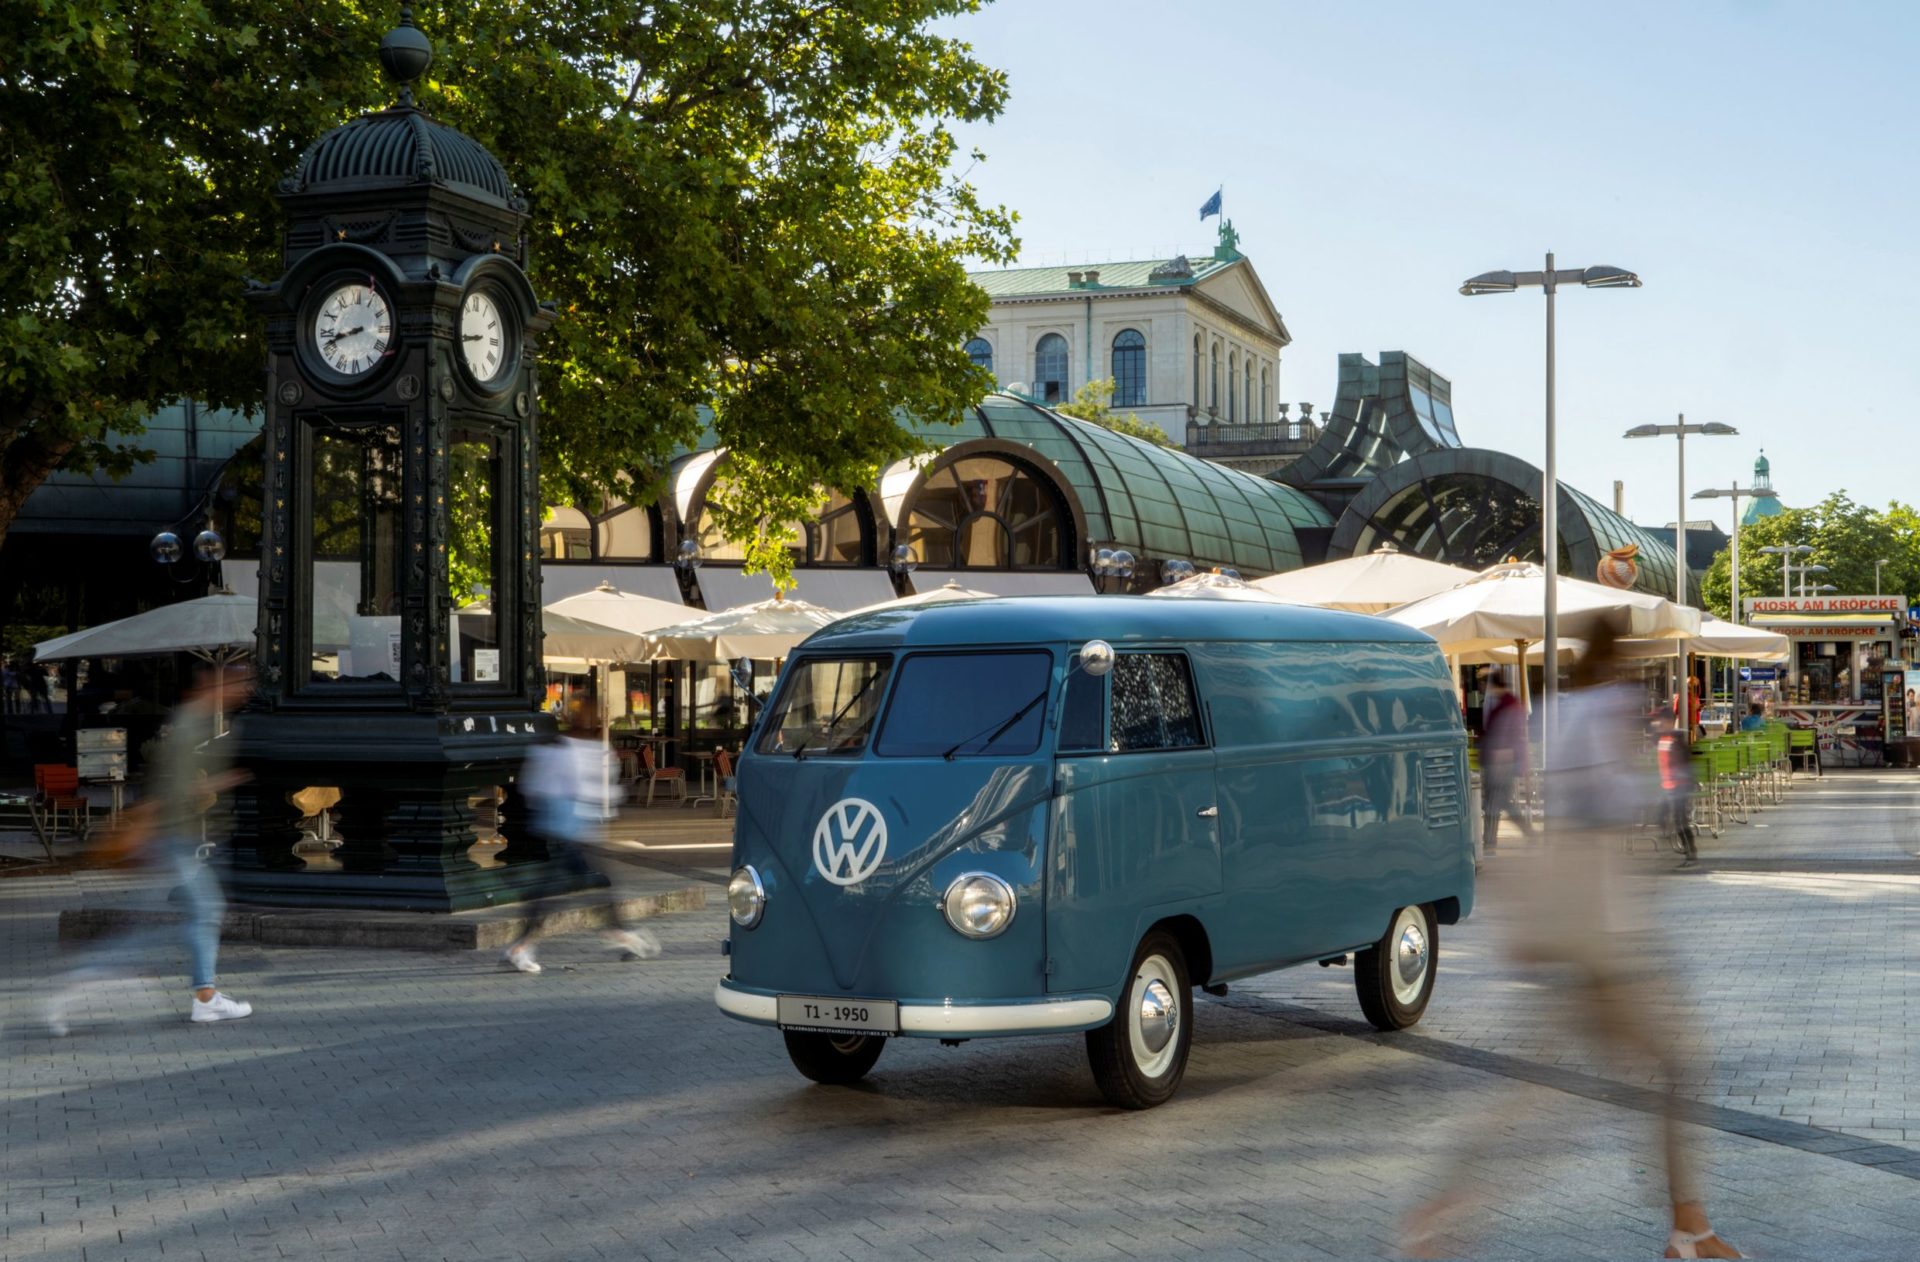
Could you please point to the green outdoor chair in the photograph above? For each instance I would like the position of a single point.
(1803, 747)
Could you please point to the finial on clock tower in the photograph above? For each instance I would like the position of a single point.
(405, 54)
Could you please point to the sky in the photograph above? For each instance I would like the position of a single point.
(1753, 162)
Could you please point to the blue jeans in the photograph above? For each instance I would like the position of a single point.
(205, 905)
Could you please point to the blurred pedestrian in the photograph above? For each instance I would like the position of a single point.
(1674, 755)
(1503, 760)
(39, 700)
(10, 687)
(565, 782)
(1575, 924)
(167, 829)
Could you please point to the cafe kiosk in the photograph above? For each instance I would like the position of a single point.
(1848, 674)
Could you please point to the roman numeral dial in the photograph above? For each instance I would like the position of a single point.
(486, 341)
(353, 329)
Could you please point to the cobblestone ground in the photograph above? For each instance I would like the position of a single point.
(429, 1106)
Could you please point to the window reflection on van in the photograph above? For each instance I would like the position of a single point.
(827, 707)
(1152, 707)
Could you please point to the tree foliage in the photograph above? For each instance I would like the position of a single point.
(742, 205)
(1094, 402)
(1846, 537)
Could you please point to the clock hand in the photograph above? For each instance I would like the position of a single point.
(358, 328)
(470, 337)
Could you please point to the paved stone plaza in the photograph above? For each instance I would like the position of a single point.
(414, 1105)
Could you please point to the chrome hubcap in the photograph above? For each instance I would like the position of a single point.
(1154, 1016)
(1411, 955)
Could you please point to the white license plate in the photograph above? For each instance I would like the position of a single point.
(850, 1016)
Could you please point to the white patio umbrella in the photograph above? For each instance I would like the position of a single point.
(217, 629)
(769, 629)
(946, 592)
(1507, 604)
(1718, 638)
(608, 606)
(1210, 586)
(1372, 583)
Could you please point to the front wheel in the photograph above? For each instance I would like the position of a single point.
(833, 1059)
(1394, 977)
(1140, 1056)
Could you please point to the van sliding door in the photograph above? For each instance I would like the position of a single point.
(1134, 836)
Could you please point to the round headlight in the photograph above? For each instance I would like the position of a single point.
(978, 905)
(746, 897)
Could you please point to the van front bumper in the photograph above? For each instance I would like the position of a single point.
(945, 1018)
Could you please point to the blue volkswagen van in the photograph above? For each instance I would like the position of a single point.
(1051, 815)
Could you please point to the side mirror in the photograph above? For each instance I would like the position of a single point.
(1096, 657)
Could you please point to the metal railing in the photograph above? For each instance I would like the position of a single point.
(1270, 438)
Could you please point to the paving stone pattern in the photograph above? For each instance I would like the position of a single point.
(407, 1105)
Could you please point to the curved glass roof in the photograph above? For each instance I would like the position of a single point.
(1475, 507)
(1382, 414)
(1151, 500)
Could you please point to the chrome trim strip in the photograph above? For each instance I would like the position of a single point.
(946, 1020)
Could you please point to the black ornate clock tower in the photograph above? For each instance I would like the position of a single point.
(401, 496)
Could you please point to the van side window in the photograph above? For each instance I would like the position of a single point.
(1153, 705)
(1083, 716)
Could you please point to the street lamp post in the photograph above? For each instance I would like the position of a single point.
(1680, 429)
(1786, 552)
(1734, 493)
(1804, 570)
(1549, 281)
(1876, 573)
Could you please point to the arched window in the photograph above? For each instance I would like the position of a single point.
(1129, 369)
(1233, 387)
(980, 351)
(837, 535)
(1196, 372)
(1266, 394)
(715, 546)
(1050, 369)
(987, 513)
(627, 534)
(566, 535)
(1213, 383)
(1247, 398)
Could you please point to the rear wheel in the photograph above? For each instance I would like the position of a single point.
(1140, 1056)
(1394, 977)
(833, 1059)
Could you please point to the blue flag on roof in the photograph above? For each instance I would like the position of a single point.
(1212, 206)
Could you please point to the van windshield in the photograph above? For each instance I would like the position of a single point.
(827, 707)
(957, 705)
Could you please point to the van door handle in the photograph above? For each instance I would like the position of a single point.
(1208, 812)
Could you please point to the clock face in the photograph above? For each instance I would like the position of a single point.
(483, 336)
(353, 329)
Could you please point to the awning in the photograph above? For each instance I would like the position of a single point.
(1801, 623)
(561, 579)
(829, 587)
(1009, 582)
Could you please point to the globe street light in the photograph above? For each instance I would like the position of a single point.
(1549, 281)
(1680, 430)
(1876, 573)
(1734, 493)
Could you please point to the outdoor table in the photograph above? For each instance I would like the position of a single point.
(118, 789)
(705, 759)
(17, 810)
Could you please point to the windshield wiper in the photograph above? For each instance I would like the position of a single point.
(1000, 731)
(834, 722)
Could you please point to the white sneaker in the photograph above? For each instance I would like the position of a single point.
(636, 943)
(521, 957)
(219, 1008)
(57, 1013)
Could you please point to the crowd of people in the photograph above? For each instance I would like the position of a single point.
(24, 688)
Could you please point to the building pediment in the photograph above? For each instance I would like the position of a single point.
(1236, 289)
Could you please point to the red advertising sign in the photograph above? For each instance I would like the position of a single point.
(1825, 604)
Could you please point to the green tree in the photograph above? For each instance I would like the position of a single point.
(1094, 402)
(741, 205)
(1846, 537)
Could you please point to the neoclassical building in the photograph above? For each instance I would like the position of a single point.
(1188, 341)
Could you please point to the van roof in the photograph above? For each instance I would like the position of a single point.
(1118, 619)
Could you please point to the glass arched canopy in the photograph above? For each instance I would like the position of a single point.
(1475, 508)
(1117, 491)
(987, 512)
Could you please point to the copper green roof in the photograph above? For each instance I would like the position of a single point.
(1036, 282)
(1153, 501)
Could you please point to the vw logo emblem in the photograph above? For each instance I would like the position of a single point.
(849, 841)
